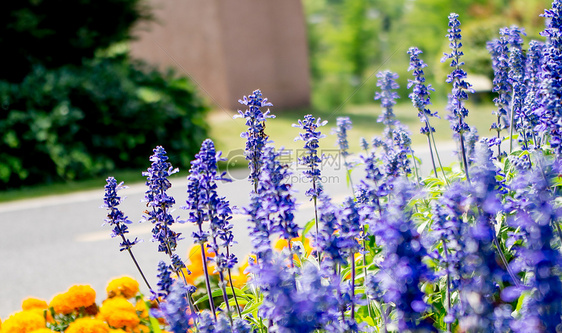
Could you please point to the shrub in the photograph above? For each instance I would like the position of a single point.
(78, 121)
(42, 32)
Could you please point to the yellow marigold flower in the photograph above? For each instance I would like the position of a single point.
(240, 279)
(119, 313)
(116, 330)
(42, 330)
(282, 243)
(195, 265)
(23, 322)
(141, 308)
(61, 304)
(33, 303)
(87, 325)
(81, 296)
(142, 329)
(125, 286)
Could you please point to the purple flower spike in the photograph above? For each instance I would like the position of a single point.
(420, 94)
(387, 96)
(255, 136)
(159, 203)
(311, 159)
(115, 216)
(344, 125)
(550, 114)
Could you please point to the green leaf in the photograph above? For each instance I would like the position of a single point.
(307, 228)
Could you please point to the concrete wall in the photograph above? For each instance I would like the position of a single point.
(232, 47)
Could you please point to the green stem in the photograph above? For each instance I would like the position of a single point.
(208, 282)
(439, 158)
(232, 286)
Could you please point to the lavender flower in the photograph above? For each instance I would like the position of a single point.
(388, 97)
(449, 227)
(203, 202)
(256, 139)
(159, 203)
(116, 217)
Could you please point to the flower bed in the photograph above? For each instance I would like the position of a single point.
(473, 248)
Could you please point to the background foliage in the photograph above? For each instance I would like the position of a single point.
(350, 40)
(75, 105)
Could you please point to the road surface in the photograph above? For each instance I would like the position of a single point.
(51, 243)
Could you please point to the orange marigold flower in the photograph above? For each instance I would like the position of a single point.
(142, 329)
(195, 265)
(81, 296)
(33, 303)
(240, 279)
(23, 322)
(116, 330)
(42, 330)
(87, 325)
(119, 313)
(125, 286)
(61, 304)
(282, 243)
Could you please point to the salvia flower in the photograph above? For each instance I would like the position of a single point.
(458, 75)
(344, 125)
(255, 136)
(481, 277)
(158, 201)
(115, 217)
(402, 269)
(499, 50)
(536, 210)
(310, 158)
(277, 196)
(328, 240)
(517, 77)
(165, 280)
(533, 78)
(550, 114)
(296, 310)
(203, 200)
(461, 88)
(387, 96)
(420, 92)
(175, 308)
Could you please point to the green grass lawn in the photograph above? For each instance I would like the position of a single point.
(225, 131)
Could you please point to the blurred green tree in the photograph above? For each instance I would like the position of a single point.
(350, 40)
(53, 33)
(73, 103)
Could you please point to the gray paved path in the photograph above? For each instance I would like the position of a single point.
(51, 243)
